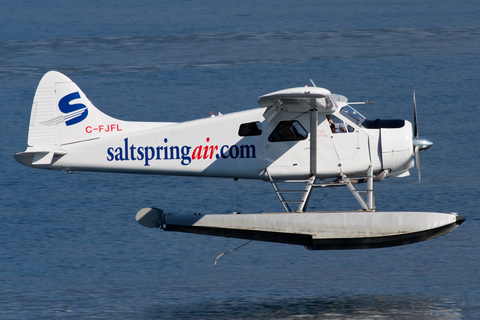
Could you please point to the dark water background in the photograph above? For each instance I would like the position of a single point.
(70, 247)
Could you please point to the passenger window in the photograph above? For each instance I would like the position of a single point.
(250, 129)
(288, 131)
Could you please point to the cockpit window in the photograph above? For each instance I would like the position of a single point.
(337, 125)
(250, 129)
(288, 131)
(352, 115)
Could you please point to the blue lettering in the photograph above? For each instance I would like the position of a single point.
(165, 156)
(233, 155)
(118, 156)
(65, 106)
(185, 153)
(132, 149)
(126, 148)
(158, 153)
(110, 154)
(149, 157)
(185, 158)
(247, 151)
(177, 152)
(224, 156)
(140, 153)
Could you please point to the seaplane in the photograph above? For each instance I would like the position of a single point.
(298, 139)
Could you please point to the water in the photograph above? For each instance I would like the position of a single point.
(69, 244)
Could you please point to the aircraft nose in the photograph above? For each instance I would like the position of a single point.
(422, 143)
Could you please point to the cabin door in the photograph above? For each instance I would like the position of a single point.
(351, 146)
(287, 149)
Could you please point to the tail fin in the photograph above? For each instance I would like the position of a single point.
(60, 115)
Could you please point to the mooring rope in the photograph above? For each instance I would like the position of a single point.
(326, 194)
(232, 250)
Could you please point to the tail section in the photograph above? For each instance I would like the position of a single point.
(61, 115)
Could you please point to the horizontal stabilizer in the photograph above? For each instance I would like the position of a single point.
(42, 158)
(36, 158)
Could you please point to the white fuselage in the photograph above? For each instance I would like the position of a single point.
(68, 133)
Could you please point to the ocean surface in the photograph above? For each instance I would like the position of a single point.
(70, 247)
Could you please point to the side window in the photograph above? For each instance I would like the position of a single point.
(250, 129)
(288, 131)
(338, 126)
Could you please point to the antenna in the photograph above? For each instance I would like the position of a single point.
(214, 107)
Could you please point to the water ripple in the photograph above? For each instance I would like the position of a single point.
(151, 52)
(336, 307)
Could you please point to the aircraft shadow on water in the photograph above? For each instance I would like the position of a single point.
(304, 135)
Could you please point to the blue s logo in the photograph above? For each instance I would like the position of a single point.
(75, 113)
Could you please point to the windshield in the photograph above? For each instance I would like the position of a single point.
(352, 115)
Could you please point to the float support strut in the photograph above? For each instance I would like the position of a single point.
(368, 205)
(370, 190)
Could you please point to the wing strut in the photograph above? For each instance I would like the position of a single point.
(313, 137)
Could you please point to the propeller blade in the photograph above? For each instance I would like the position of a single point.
(419, 144)
(415, 123)
(417, 160)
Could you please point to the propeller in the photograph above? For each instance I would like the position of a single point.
(419, 144)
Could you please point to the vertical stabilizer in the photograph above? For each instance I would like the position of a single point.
(60, 114)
